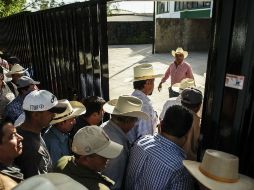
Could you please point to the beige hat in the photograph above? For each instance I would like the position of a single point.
(185, 83)
(219, 171)
(74, 109)
(50, 181)
(93, 140)
(126, 106)
(179, 50)
(16, 69)
(144, 72)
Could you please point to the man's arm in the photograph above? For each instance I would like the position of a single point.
(164, 78)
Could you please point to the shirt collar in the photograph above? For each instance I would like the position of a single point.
(169, 145)
(61, 136)
(141, 95)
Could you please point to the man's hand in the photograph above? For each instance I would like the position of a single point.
(160, 86)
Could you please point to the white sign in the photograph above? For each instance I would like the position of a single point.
(234, 81)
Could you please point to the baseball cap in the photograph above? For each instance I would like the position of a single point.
(42, 100)
(93, 140)
(191, 96)
(26, 81)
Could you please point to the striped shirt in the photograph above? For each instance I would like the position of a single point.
(178, 73)
(155, 164)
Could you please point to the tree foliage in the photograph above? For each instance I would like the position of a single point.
(9, 7)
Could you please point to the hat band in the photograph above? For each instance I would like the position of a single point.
(144, 77)
(217, 178)
(66, 115)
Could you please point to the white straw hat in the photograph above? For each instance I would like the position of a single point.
(126, 106)
(185, 83)
(144, 72)
(93, 140)
(219, 171)
(16, 69)
(179, 50)
(50, 181)
(74, 109)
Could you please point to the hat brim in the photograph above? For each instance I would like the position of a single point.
(244, 182)
(58, 108)
(111, 151)
(185, 53)
(12, 73)
(34, 82)
(110, 105)
(76, 112)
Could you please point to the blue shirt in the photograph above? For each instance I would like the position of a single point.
(144, 127)
(57, 144)
(116, 167)
(156, 163)
(14, 109)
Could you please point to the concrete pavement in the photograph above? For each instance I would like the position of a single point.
(122, 59)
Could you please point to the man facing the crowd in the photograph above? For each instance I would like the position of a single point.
(178, 70)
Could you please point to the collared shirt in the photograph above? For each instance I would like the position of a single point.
(90, 179)
(57, 143)
(116, 167)
(144, 127)
(178, 73)
(14, 109)
(6, 96)
(169, 103)
(156, 163)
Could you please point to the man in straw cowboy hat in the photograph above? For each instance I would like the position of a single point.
(143, 83)
(219, 171)
(156, 160)
(124, 111)
(57, 137)
(178, 70)
(92, 149)
(40, 107)
(15, 73)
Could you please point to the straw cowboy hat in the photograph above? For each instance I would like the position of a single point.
(144, 72)
(219, 171)
(74, 109)
(179, 50)
(125, 106)
(185, 83)
(16, 69)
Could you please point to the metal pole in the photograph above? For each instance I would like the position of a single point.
(154, 23)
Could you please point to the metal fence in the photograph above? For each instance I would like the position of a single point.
(64, 48)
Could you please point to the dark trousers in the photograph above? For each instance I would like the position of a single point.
(172, 93)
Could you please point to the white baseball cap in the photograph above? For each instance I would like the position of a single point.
(93, 140)
(42, 100)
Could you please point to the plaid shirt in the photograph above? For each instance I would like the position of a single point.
(178, 73)
(156, 163)
(14, 109)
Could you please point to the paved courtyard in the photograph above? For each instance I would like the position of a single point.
(122, 59)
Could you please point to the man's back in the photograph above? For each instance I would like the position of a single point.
(156, 163)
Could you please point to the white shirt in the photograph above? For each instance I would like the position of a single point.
(169, 103)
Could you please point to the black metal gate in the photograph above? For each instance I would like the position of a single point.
(65, 48)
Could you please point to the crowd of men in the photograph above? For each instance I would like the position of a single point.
(47, 143)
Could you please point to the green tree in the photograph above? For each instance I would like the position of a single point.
(9, 7)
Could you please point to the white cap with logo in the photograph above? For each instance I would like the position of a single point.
(93, 140)
(42, 100)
